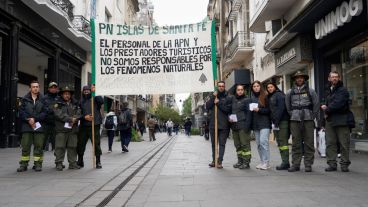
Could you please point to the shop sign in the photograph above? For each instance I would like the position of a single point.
(342, 15)
(286, 57)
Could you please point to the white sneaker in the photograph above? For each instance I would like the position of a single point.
(259, 165)
(339, 155)
(109, 151)
(265, 166)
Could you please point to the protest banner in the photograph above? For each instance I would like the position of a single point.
(131, 60)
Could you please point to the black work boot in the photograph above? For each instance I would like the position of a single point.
(345, 169)
(294, 168)
(331, 168)
(80, 161)
(244, 164)
(219, 165)
(59, 166)
(22, 168)
(283, 166)
(98, 162)
(212, 164)
(238, 164)
(308, 168)
(37, 167)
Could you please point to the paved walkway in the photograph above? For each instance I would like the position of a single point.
(69, 187)
(181, 177)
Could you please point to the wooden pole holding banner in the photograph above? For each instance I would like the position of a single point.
(93, 86)
(93, 130)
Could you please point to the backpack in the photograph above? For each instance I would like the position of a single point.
(109, 122)
(124, 120)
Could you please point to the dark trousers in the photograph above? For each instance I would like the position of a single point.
(125, 137)
(337, 136)
(302, 132)
(66, 142)
(84, 134)
(49, 131)
(152, 134)
(222, 135)
(110, 136)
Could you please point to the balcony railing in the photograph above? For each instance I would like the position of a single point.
(82, 24)
(241, 39)
(66, 6)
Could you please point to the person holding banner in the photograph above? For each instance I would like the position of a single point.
(222, 100)
(261, 123)
(241, 120)
(85, 128)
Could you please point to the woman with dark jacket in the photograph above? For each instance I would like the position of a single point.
(280, 122)
(261, 123)
(240, 120)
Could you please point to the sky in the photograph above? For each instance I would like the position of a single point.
(174, 12)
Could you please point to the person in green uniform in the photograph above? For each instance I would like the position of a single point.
(240, 119)
(280, 123)
(32, 113)
(67, 114)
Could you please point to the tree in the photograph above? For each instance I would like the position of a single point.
(165, 113)
(187, 107)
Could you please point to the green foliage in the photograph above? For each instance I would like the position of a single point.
(165, 113)
(195, 131)
(136, 137)
(187, 107)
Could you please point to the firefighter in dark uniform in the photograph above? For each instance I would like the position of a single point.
(85, 128)
(67, 114)
(32, 113)
(50, 99)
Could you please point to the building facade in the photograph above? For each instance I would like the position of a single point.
(48, 40)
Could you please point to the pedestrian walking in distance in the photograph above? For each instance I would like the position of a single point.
(125, 123)
(280, 123)
(85, 128)
(241, 120)
(339, 120)
(261, 123)
(169, 126)
(188, 126)
(32, 113)
(222, 100)
(151, 128)
(67, 114)
(50, 99)
(303, 106)
(110, 124)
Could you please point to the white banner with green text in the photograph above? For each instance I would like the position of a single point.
(129, 60)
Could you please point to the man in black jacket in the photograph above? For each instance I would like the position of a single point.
(220, 99)
(50, 99)
(125, 123)
(337, 128)
(85, 128)
(32, 113)
(280, 123)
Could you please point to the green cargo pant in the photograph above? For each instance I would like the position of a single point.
(29, 138)
(66, 142)
(282, 137)
(85, 133)
(337, 135)
(242, 144)
(302, 133)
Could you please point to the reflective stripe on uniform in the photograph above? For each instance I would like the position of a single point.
(24, 158)
(243, 153)
(36, 159)
(284, 147)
